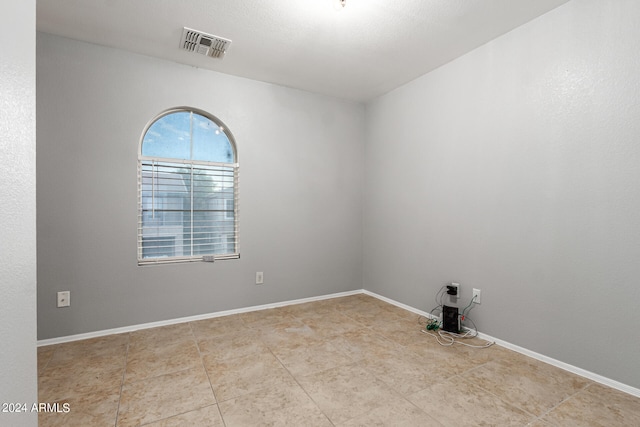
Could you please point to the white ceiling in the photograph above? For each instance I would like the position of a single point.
(364, 50)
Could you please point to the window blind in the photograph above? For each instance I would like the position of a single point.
(187, 211)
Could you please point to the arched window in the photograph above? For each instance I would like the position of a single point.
(187, 189)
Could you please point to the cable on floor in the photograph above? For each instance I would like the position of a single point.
(431, 326)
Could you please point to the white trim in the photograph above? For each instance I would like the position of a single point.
(398, 304)
(565, 366)
(562, 365)
(96, 334)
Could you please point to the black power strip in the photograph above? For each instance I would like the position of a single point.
(450, 319)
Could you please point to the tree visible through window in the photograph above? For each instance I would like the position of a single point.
(187, 189)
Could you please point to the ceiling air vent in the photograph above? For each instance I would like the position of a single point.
(203, 43)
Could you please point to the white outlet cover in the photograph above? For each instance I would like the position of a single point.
(477, 293)
(64, 299)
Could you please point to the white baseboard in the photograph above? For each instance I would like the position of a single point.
(102, 333)
(570, 368)
(573, 369)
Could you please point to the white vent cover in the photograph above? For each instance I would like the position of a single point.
(203, 43)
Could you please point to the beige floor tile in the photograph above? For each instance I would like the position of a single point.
(100, 405)
(479, 356)
(457, 402)
(235, 377)
(457, 358)
(92, 409)
(72, 381)
(143, 362)
(322, 308)
(44, 356)
(427, 347)
(161, 336)
(598, 406)
(87, 375)
(526, 383)
(283, 405)
(81, 365)
(262, 318)
(164, 396)
(401, 414)
(291, 334)
(393, 325)
(307, 360)
(330, 326)
(353, 359)
(367, 314)
(406, 372)
(217, 326)
(208, 416)
(540, 423)
(52, 419)
(232, 345)
(363, 344)
(347, 392)
(402, 313)
(73, 419)
(95, 348)
(404, 335)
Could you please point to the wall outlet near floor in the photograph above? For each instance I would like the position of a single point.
(457, 286)
(476, 296)
(259, 278)
(64, 299)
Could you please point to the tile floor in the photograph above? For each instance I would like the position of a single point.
(352, 361)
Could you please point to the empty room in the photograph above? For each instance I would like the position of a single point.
(320, 213)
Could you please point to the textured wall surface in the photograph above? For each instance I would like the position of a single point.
(300, 190)
(18, 211)
(515, 169)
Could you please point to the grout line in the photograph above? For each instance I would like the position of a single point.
(563, 401)
(294, 377)
(124, 372)
(161, 375)
(535, 417)
(46, 365)
(217, 402)
(489, 392)
(301, 387)
(175, 415)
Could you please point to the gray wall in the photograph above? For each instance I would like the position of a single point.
(18, 210)
(515, 169)
(300, 190)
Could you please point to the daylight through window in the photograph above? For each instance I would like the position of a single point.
(187, 189)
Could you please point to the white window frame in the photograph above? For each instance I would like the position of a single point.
(224, 172)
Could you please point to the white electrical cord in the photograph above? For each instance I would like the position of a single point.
(448, 339)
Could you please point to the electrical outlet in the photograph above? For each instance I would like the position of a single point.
(259, 278)
(457, 286)
(476, 296)
(64, 299)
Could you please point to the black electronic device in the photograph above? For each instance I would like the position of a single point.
(450, 319)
